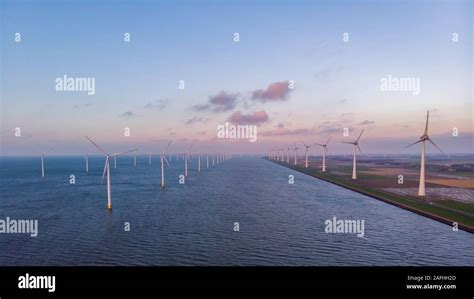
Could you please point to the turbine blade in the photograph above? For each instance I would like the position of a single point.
(123, 153)
(426, 126)
(96, 145)
(166, 160)
(432, 142)
(105, 169)
(166, 148)
(347, 142)
(303, 143)
(359, 149)
(360, 134)
(413, 143)
(328, 140)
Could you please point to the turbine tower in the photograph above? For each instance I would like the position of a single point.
(42, 166)
(186, 158)
(288, 155)
(325, 151)
(107, 168)
(163, 159)
(423, 138)
(87, 163)
(355, 144)
(307, 147)
(295, 149)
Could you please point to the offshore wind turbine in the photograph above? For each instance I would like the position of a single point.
(307, 147)
(288, 155)
(42, 166)
(295, 149)
(107, 168)
(355, 144)
(149, 159)
(87, 163)
(207, 161)
(186, 158)
(423, 138)
(325, 151)
(163, 159)
(135, 158)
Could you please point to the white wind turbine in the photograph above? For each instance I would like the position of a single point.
(325, 151)
(306, 147)
(149, 159)
(42, 163)
(207, 161)
(186, 158)
(295, 149)
(423, 138)
(107, 168)
(87, 163)
(135, 158)
(288, 155)
(163, 159)
(355, 144)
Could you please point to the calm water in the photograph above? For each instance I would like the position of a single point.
(192, 224)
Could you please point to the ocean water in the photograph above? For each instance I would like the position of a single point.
(193, 224)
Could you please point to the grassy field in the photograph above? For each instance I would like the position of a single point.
(445, 211)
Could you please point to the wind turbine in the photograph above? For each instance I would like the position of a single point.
(42, 163)
(135, 158)
(186, 158)
(207, 161)
(199, 162)
(42, 166)
(107, 168)
(307, 147)
(295, 149)
(87, 163)
(149, 159)
(355, 144)
(163, 159)
(325, 151)
(288, 155)
(423, 138)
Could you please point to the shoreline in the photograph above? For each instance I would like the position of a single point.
(381, 197)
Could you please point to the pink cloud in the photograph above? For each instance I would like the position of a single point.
(277, 91)
(257, 117)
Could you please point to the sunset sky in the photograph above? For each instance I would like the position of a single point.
(337, 83)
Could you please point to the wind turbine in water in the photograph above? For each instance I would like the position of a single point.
(186, 158)
(87, 163)
(288, 155)
(295, 149)
(163, 159)
(355, 144)
(423, 138)
(107, 168)
(325, 151)
(307, 147)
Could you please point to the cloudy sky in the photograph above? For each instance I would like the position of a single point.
(337, 84)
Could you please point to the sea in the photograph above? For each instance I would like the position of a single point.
(246, 211)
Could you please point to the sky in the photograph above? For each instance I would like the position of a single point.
(291, 74)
